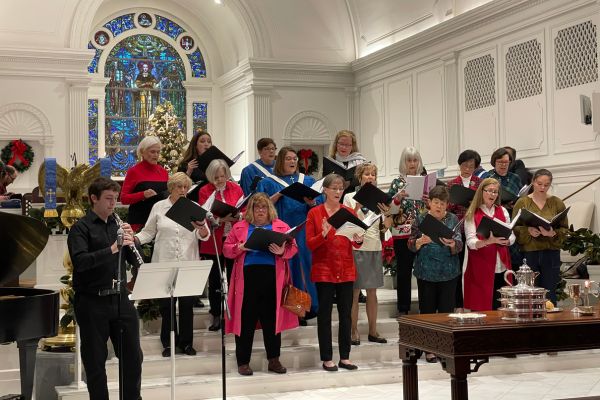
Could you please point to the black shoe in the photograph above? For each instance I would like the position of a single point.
(431, 358)
(333, 368)
(302, 322)
(166, 352)
(348, 366)
(189, 350)
(355, 342)
(245, 370)
(216, 325)
(377, 339)
(361, 297)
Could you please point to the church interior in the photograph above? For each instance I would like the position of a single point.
(81, 80)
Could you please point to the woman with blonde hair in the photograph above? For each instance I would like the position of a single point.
(344, 149)
(488, 258)
(143, 183)
(256, 285)
(172, 242)
(405, 211)
(369, 265)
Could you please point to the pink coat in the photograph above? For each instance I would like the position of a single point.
(238, 234)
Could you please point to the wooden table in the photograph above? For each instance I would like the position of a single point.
(463, 348)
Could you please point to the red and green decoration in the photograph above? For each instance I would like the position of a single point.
(309, 161)
(18, 154)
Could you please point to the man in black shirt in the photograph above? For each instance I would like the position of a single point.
(92, 244)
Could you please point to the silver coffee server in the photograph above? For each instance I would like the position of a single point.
(523, 302)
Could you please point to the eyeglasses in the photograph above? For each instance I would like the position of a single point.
(490, 191)
(270, 148)
(344, 144)
(291, 159)
(335, 189)
(261, 207)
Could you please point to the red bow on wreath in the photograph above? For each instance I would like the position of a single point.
(18, 148)
(305, 155)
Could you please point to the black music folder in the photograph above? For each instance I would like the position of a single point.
(298, 191)
(213, 153)
(534, 220)
(138, 212)
(343, 216)
(221, 209)
(184, 211)
(497, 227)
(331, 166)
(370, 195)
(261, 238)
(461, 196)
(435, 229)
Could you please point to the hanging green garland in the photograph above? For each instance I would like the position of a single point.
(18, 154)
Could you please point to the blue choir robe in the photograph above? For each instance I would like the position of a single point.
(250, 171)
(294, 213)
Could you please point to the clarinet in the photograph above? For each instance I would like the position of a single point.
(134, 249)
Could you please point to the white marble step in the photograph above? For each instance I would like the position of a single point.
(205, 340)
(386, 309)
(197, 387)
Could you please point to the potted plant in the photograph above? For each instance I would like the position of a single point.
(583, 241)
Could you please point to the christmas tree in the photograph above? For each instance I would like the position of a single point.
(163, 124)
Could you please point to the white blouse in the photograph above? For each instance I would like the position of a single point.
(471, 234)
(172, 241)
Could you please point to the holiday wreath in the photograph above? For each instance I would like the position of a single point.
(18, 154)
(309, 161)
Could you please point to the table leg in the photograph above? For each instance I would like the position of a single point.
(410, 377)
(458, 387)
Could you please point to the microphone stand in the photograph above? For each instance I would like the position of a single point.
(213, 224)
(119, 299)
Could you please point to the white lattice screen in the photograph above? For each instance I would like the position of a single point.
(524, 70)
(576, 55)
(480, 87)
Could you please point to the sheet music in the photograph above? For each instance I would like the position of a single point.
(234, 159)
(415, 185)
(348, 229)
(209, 202)
(318, 185)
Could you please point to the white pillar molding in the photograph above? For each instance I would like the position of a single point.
(78, 122)
(451, 102)
(261, 118)
(351, 110)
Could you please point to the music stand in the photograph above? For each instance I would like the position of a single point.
(171, 279)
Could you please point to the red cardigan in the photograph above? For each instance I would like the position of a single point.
(332, 258)
(456, 209)
(142, 172)
(231, 194)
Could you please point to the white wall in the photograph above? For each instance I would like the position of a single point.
(415, 93)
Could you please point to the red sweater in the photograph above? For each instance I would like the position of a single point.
(142, 172)
(332, 260)
(456, 209)
(231, 195)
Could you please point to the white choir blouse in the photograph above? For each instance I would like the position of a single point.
(172, 241)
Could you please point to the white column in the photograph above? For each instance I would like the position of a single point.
(351, 102)
(78, 121)
(261, 111)
(451, 88)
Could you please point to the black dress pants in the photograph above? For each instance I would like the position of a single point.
(258, 306)
(436, 297)
(214, 281)
(343, 293)
(404, 266)
(183, 335)
(97, 317)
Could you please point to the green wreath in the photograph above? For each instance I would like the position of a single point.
(18, 154)
(309, 161)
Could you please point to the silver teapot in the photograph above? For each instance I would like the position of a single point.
(525, 276)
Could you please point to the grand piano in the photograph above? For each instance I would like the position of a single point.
(26, 314)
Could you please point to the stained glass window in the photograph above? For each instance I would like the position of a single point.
(120, 24)
(168, 27)
(93, 66)
(144, 71)
(200, 116)
(93, 130)
(197, 64)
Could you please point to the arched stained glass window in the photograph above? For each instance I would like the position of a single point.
(144, 71)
